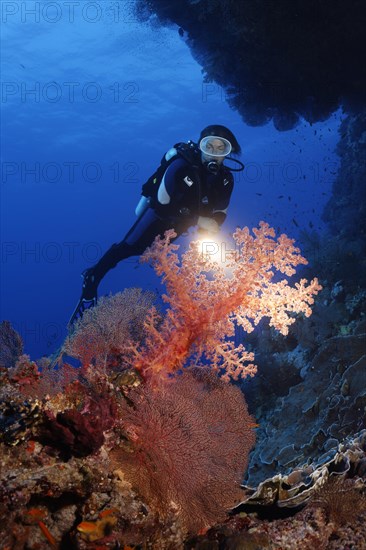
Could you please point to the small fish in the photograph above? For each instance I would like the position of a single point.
(36, 514)
(259, 194)
(280, 196)
(96, 530)
(47, 533)
(87, 527)
(295, 222)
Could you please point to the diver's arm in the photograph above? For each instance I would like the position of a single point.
(174, 184)
(173, 189)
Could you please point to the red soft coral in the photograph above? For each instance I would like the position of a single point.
(205, 300)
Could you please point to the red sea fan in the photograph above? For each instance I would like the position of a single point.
(190, 442)
(109, 327)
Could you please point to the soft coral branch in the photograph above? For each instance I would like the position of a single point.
(205, 300)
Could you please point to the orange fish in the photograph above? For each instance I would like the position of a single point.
(254, 426)
(87, 527)
(92, 531)
(36, 514)
(47, 534)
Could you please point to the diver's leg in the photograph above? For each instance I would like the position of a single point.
(140, 236)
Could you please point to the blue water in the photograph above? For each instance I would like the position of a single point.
(91, 101)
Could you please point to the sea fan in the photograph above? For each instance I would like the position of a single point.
(189, 445)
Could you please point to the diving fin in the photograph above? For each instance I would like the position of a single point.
(89, 296)
(81, 306)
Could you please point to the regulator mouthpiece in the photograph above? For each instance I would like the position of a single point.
(212, 166)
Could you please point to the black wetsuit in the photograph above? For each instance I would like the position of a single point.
(184, 194)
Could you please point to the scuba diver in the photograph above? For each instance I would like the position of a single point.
(191, 187)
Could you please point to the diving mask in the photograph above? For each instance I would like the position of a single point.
(214, 149)
(215, 146)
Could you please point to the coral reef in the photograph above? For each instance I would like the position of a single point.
(11, 345)
(318, 411)
(314, 379)
(311, 393)
(144, 443)
(345, 212)
(309, 508)
(112, 463)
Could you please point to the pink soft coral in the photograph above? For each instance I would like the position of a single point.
(205, 300)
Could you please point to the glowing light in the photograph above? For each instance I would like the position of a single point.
(216, 248)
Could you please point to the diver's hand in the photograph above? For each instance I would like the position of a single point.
(208, 224)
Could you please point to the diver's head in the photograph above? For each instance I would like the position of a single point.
(216, 142)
